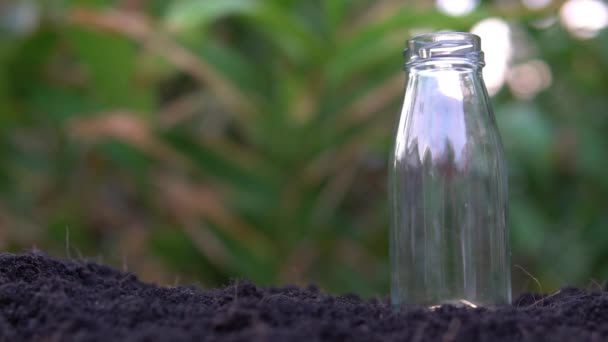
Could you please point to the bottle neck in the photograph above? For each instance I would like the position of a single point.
(444, 80)
(444, 64)
(444, 51)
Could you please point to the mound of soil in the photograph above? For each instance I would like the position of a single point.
(46, 299)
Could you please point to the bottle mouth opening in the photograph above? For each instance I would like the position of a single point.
(453, 45)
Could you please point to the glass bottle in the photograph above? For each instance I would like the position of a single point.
(448, 185)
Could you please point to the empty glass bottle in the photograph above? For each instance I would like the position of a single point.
(448, 186)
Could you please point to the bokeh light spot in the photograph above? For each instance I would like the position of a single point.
(584, 18)
(496, 44)
(528, 79)
(456, 7)
(536, 4)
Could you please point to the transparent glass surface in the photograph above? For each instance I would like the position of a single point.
(448, 186)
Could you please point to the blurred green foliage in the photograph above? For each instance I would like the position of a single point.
(201, 140)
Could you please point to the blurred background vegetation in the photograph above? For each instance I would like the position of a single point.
(202, 140)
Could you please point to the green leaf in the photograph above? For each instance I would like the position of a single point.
(60, 104)
(397, 25)
(184, 15)
(232, 65)
(526, 133)
(110, 62)
(91, 3)
(293, 38)
(335, 12)
(30, 62)
(182, 255)
(7, 49)
(527, 225)
(257, 265)
(351, 62)
(126, 156)
(240, 177)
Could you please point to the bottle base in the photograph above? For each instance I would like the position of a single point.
(460, 303)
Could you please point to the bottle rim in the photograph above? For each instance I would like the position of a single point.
(442, 45)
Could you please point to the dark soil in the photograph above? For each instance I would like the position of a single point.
(45, 299)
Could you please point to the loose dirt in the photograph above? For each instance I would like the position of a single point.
(47, 299)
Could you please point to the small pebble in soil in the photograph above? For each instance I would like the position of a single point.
(47, 299)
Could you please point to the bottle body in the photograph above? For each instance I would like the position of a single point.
(448, 190)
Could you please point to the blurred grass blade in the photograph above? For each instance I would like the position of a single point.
(140, 29)
(110, 62)
(191, 14)
(232, 65)
(288, 33)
